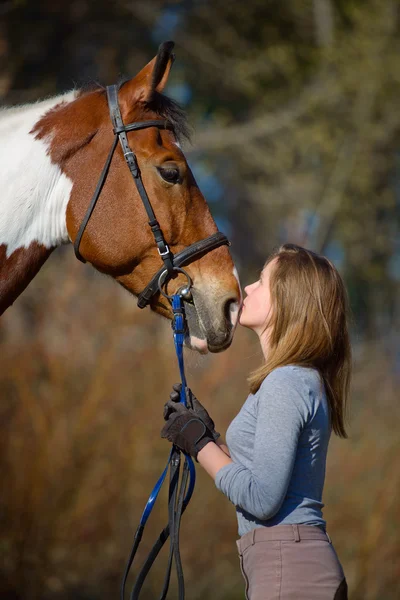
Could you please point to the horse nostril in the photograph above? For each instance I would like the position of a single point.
(231, 309)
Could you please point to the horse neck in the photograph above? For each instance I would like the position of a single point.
(33, 200)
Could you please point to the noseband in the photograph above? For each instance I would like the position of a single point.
(171, 263)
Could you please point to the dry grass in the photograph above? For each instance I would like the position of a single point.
(83, 379)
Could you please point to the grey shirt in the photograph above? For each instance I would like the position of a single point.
(278, 443)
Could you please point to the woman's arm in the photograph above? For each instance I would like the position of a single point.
(281, 416)
(223, 447)
(212, 458)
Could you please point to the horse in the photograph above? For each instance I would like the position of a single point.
(51, 157)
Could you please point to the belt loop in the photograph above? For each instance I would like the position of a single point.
(329, 537)
(296, 533)
(253, 534)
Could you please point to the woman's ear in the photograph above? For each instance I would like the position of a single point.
(150, 80)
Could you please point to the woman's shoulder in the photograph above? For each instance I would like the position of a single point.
(294, 375)
(301, 385)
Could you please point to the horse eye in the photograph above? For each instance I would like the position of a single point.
(170, 174)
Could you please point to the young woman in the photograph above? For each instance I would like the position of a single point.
(273, 466)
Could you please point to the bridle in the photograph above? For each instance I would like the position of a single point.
(172, 264)
(181, 491)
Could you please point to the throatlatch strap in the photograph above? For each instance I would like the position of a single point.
(94, 199)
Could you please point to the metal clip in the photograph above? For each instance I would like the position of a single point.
(163, 253)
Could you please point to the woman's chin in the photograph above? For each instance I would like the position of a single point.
(244, 323)
(249, 325)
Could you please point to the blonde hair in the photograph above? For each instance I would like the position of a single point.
(309, 325)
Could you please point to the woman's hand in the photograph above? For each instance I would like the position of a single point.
(185, 429)
(193, 404)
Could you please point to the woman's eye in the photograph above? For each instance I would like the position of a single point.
(170, 174)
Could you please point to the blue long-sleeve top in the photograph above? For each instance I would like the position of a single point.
(278, 443)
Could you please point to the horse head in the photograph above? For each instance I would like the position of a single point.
(117, 239)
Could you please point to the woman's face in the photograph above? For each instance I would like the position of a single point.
(257, 305)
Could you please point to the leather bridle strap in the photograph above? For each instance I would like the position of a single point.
(187, 255)
(120, 129)
(120, 134)
(144, 125)
(93, 201)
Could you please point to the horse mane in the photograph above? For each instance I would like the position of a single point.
(162, 105)
(170, 109)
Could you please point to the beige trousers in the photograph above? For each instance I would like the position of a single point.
(291, 562)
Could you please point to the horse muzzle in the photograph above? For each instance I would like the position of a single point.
(211, 320)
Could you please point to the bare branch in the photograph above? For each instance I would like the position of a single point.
(263, 125)
(324, 23)
(333, 196)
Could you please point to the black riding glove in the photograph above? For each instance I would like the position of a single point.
(193, 404)
(184, 429)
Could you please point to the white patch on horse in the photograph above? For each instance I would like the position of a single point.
(235, 306)
(34, 191)
(236, 276)
(198, 344)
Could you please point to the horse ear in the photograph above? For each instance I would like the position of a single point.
(162, 67)
(152, 78)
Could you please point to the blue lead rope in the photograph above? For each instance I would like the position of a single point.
(178, 326)
(177, 502)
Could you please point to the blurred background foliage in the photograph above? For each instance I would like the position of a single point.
(294, 105)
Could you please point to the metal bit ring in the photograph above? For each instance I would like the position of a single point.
(163, 281)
